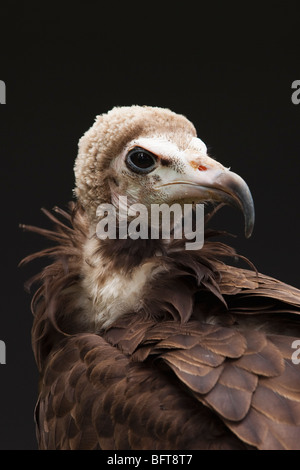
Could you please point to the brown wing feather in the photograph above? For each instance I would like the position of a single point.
(94, 397)
(249, 283)
(248, 379)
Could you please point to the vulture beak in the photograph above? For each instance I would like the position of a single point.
(215, 184)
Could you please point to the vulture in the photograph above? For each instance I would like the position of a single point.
(146, 343)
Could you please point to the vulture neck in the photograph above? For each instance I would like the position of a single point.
(116, 275)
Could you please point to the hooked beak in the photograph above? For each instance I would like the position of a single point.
(220, 185)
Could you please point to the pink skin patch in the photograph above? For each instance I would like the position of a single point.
(195, 164)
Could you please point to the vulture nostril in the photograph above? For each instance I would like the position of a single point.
(195, 164)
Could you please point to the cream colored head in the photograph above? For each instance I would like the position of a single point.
(181, 171)
(104, 142)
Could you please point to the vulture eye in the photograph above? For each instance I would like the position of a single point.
(140, 160)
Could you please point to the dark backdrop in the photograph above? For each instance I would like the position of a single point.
(230, 72)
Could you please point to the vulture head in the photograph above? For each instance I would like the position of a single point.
(152, 156)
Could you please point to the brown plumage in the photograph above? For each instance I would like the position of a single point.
(198, 356)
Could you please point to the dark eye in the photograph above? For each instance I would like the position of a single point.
(140, 160)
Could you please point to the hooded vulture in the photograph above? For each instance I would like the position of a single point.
(140, 342)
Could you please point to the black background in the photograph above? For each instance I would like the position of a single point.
(228, 70)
